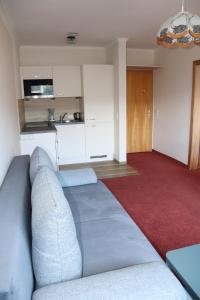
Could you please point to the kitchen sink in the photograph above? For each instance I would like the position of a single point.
(38, 124)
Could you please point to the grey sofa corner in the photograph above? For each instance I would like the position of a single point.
(16, 276)
(118, 260)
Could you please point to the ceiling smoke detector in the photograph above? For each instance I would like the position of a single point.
(72, 38)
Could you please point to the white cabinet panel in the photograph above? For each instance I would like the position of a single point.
(67, 81)
(98, 90)
(47, 141)
(35, 72)
(99, 141)
(71, 143)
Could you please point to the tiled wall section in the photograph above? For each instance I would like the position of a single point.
(37, 109)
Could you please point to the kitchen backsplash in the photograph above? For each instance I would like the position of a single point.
(37, 109)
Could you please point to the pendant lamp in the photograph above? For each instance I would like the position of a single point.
(181, 30)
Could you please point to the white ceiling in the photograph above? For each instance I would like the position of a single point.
(99, 22)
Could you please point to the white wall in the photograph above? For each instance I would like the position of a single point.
(172, 101)
(116, 55)
(140, 57)
(9, 128)
(16, 61)
(68, 55)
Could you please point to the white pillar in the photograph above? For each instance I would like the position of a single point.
(122, 99)
(116, 54)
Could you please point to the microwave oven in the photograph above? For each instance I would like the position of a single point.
(38, 88)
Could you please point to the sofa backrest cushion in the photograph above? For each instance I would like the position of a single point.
(16, 275)
(55, 248)
(39, 159)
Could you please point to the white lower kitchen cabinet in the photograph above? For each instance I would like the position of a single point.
(99, 141)
(71, 143)
(46, 140)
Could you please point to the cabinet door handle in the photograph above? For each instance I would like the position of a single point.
(92, 119)
(98, 156)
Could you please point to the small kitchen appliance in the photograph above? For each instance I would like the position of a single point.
(67, 117)
(51, 114)
(77, 116)
(38, 88)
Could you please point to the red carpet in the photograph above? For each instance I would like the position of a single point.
(164, 200)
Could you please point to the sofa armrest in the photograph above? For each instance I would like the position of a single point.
(152, 281)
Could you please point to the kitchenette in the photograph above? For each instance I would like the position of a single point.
(69, 111)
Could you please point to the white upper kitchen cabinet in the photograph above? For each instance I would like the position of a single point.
(71, 143)
(98, 92)
(36, 72)
(67, 81)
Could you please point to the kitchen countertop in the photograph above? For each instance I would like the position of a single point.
(69, 123)
(45, 126)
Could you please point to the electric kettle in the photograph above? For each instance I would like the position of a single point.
(77, 116)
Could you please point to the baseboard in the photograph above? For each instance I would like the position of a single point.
(120, 162)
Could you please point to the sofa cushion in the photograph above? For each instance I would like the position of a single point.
(152, 281)
(108, 237)
(91, 202)
(76, 177)
(39, 158)
(55, 248)
(113, 243)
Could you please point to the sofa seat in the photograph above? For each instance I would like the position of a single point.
(108, 237)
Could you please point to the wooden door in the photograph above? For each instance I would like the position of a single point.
(194, 150)
(139, 110)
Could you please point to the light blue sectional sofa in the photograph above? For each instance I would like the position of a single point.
(118, 262)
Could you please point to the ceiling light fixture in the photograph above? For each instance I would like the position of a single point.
(72, 38)
(181, 30)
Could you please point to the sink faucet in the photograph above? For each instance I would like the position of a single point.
(63, 116)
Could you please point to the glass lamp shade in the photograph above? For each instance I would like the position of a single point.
(182, 30)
